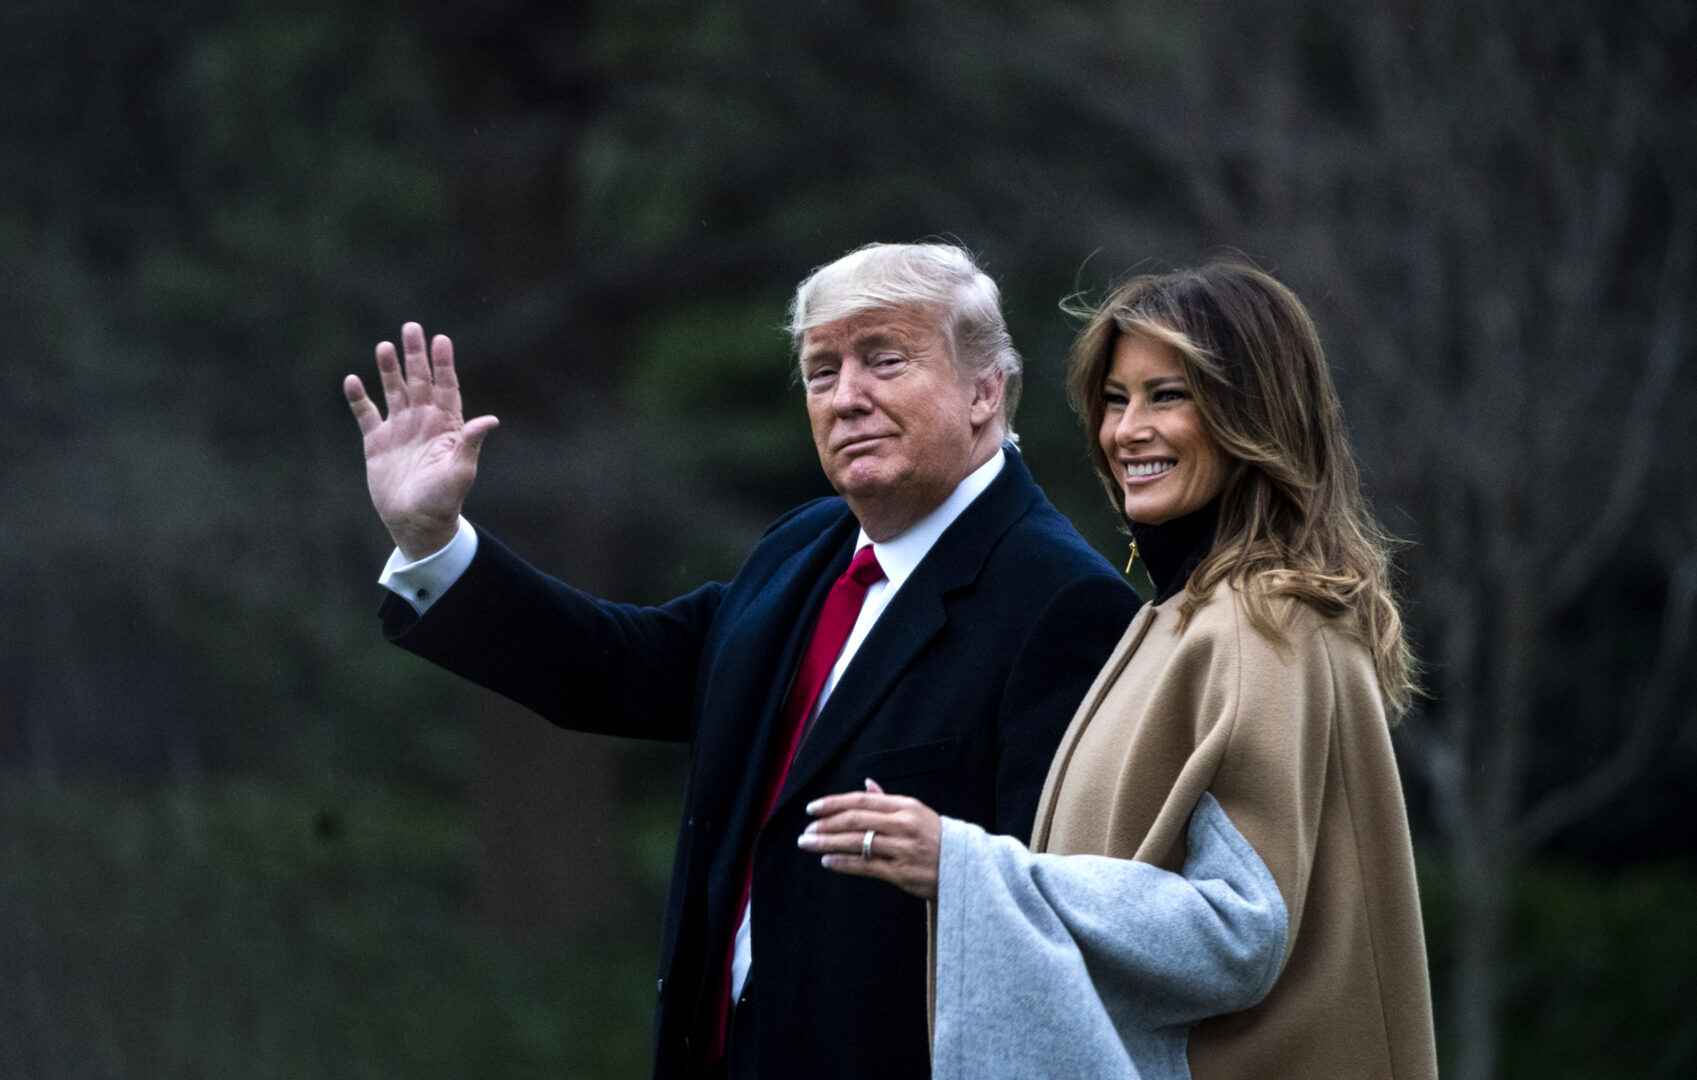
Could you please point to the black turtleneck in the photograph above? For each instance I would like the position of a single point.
(1172, 549)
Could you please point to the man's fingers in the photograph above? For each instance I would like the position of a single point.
(442, 363)
(389, 372)
(418, 365)
(364, 409)
(447, 388)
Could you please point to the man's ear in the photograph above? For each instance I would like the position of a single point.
(987, 396)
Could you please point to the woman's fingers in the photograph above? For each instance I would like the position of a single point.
(843, 831)
(882, 869)
(858, 800)
(898, 848)
(848, 835)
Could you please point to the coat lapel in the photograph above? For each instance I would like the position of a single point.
(767, 637)
(915, 616)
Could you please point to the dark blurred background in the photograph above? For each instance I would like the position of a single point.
(240, 836)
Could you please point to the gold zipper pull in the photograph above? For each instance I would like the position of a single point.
(1133, 557)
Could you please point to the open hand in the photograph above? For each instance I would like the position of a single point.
(906, 838)
(420, 461)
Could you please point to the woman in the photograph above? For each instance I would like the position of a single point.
(1256, 911)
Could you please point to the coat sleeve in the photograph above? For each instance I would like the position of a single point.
(579, 662)
(1061, 651)
(1277, 705)
(1084, 965)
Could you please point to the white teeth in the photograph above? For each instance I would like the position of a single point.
(1147, 468)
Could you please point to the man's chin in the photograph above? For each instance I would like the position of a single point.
(864, 477)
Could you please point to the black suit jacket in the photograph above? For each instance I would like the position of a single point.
(958, 697)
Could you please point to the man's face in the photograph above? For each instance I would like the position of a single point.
(896, 425)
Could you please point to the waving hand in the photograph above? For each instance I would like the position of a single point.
(421, 459)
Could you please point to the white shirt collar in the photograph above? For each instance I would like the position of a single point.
(900, 556)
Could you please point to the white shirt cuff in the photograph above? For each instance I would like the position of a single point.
(422, 583)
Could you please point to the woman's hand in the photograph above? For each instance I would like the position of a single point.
(872, 834)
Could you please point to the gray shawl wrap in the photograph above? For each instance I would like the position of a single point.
(1091, 967)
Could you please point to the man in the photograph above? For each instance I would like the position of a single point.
(943, 662)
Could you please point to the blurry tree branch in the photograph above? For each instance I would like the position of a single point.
(1652, 718)
(1639, 449)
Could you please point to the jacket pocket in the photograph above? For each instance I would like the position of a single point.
(911, 760)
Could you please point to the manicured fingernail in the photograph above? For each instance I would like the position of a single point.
(813, 807)
(869, 784)
(805, 840)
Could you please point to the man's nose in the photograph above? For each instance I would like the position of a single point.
(852, 392)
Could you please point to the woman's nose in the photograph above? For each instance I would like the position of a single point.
(1133, 428)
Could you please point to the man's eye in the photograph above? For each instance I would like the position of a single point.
(817, 375)
(887, 360)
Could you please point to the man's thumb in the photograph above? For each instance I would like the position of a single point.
(473, 434)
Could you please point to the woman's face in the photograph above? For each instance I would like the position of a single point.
(1153, 436)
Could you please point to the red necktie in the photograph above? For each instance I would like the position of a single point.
(830, 633)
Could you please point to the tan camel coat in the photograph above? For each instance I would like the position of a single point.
(1291, 740)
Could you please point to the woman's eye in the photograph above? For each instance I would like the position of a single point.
(1168, 394)
(1114, 400)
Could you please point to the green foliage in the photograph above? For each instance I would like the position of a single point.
(715, 385)
(1601, 969)
(258, 931)
(199, 206)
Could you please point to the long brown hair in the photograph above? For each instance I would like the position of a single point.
(1294, 524)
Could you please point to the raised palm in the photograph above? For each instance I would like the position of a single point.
(421, 459)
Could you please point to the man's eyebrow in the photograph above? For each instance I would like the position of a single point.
(872, 339)
(876, 339)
